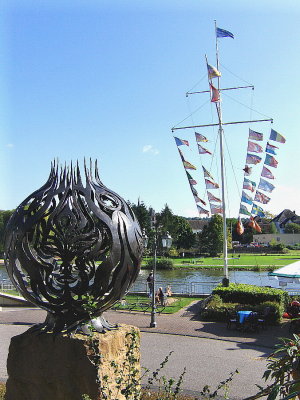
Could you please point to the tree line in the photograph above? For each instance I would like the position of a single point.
(4, 217)
(209, 241)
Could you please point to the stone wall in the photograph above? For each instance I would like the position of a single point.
(59, 367)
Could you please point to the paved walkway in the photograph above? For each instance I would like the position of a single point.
(185, 322)
(205, 347)
(14, 321)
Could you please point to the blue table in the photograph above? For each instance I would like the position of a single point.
(242, 315)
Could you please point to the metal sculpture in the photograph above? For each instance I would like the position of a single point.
(68, 243)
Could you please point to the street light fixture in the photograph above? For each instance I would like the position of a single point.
(166, 240)
(145, 239)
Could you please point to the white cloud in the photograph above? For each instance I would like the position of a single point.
(148, 148)
(10, 145)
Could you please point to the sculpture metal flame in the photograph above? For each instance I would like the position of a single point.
(68, 242)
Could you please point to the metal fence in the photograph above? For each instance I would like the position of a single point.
(182, 288)
(6, 286)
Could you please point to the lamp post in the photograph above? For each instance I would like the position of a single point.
(145, 239)
(166, 240)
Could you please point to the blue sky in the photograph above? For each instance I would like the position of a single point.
(107, 80)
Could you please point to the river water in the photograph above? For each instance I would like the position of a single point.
(196, 281)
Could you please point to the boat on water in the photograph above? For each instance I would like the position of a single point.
(253, 193)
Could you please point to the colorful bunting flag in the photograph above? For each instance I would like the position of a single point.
(270, 160)
(211, 197)
(206, 173)
(203, 150)
(239, 227)
(216, 209)
(194, 191)
(244, 210)
(261, 198)
(223, 33)
(200, 138)
(202, 210)
(256, 210)
(246, 198)
(266, 173)
(211, 185)
(255, 135)
(247, 170)
(252, 159)
(191, 180)
(214, 93)
(277, 137)
(213, 72)
(271, 149)
(180, 153)
(198, 200)
(265, 185)
(249, 185)
(181, 142)
(188, 165)
(254, 147)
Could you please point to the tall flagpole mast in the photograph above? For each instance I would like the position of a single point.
(221, 135)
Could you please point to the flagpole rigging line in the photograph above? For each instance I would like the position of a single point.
(244, 105)
(223, 123)
(232, 73)
(196, 84)
(231, 88)
(190, 115)
(221, 133)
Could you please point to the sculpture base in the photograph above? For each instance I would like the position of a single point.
(48, 367)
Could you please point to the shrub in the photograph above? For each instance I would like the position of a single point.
(278, 247)
(215, 310)
(163, 263)
(251, 294)
(293, 247)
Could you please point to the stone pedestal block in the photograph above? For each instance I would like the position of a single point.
(59, 367)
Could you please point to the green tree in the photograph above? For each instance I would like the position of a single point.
(142, 214)
(211, 238)
(292, 228)
(165, 219)
(4, 217)
(272, 228)
(183, 233)
(247, 236)
(231, 230)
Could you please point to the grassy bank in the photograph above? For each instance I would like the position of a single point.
(254, 262)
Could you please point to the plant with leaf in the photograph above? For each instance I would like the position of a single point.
(284, 368)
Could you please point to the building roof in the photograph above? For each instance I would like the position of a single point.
(286, 216)
(197, 224)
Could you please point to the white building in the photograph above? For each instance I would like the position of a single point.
(285, 238)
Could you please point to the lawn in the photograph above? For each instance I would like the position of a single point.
(142, 303)
(239, 261)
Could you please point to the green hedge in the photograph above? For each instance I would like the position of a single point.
(251, 294)
(216, 310)
(163, 263)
